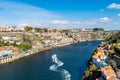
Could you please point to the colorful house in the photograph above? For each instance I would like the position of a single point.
(99, 58)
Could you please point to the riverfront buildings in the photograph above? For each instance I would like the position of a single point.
(21, 40)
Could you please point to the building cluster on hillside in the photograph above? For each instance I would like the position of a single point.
(11, 40)
(88, 30)
(11, 43)
(101, 58)
(54, 38)
(7, 28)
(23, 38)
(21, 28)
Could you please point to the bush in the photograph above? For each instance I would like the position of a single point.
(113, 64)
(24, 47)
(118, 41)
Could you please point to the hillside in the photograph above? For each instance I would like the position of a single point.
(105, 62)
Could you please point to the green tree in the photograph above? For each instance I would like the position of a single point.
(24, 46)
(1, 42)
(113, 64)
(118, 41)
(14, 44)
(28, 28)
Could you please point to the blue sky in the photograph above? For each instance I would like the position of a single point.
(62, 13)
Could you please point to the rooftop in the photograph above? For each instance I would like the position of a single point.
(109, 73)
(98, 54)
(3, 47)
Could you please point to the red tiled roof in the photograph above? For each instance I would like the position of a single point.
(3, 47)
(108, 72)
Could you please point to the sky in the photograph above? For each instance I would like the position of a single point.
(61, 13)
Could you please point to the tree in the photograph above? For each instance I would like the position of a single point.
(28, 28)
(37, 29)
(26, 39)
(24, 46)
(1, 42)
(118, 41)
(113, 64)
(64, 31)
(45, 30)
(14, 44)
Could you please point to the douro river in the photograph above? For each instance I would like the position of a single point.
(64, 63)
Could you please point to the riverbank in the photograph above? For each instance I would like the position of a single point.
(102, 65)
(13, 57)
(21, 44)
(92, 70)
(36, 66)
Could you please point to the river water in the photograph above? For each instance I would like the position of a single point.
(37, 67)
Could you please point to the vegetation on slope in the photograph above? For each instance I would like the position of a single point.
(93, 71)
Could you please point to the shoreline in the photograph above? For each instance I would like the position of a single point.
(99, 65)
(88, 64)
(29, 52)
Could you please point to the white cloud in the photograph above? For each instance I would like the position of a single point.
(60, 22)
(14, 12)
(24, 14)
(119, 14)
(79, 24)
(114, 6)
(71, 24)
(103, 20)
(66, 22)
